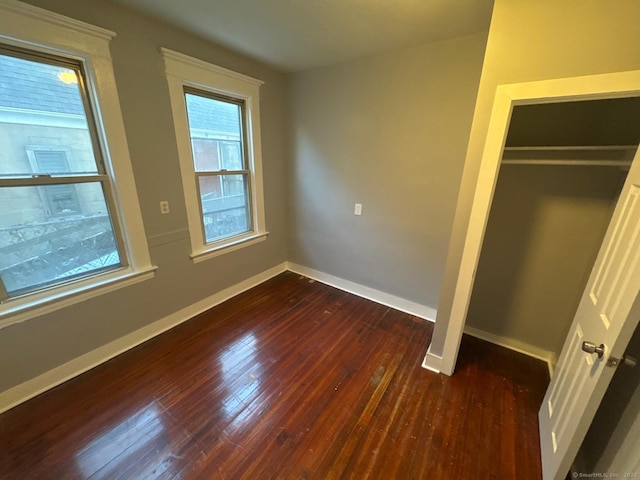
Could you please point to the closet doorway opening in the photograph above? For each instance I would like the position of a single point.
(579, 381)
(562, 170)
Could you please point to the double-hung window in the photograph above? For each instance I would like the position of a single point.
(56, 223)
(223, 179)
(63, 235)
(216, 114)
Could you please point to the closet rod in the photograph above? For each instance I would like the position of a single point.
(572, 163)
(560, 148)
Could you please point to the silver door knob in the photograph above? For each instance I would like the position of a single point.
(592, 348)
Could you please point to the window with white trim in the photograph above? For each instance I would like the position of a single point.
(216, 115)
(49, 234)
(63, 235)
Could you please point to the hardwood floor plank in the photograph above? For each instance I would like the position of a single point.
(291, 379)
(331, 392)
(381, 379)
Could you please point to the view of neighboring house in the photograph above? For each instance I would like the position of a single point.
(51, 230)
(215, 125)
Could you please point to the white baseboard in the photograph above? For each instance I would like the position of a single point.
(412, 308)
(432, 361)
(29, 389)
(521, 347)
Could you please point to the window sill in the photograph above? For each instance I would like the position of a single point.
(227, 247)
(34, 305)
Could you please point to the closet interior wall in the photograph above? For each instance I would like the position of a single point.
(563, 168)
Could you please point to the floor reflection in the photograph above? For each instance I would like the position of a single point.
(124, 447)
(241, 372)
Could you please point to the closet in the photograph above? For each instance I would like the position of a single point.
(562, 170)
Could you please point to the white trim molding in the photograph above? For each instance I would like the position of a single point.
(19, 19)
(412, 308)
(40, 14)
(42, 303)
(546, 356)
(186, 62)
(58, 375)
(432, 361)
(54, 377)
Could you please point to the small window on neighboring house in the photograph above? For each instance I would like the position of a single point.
(62, 150)
(217, 119)
(58, 200)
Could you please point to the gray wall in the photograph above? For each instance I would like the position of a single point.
(531, 41)
(389, 132)
(35, 346)
(547, 222)
(544, 232)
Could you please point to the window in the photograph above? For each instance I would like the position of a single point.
(216, 131)
(39, 250)
(63, 236)
(216, 113)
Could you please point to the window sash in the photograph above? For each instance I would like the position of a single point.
(101, 176)
(201, 173)
(47, 179)
(242, 122)
(57, 281)
(248, 205)
(78, 68)
(214, 173)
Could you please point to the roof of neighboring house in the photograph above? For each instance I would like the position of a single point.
(31, 85)
(35, 86)
(209, 114)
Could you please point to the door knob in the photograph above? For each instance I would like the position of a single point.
(592, 348)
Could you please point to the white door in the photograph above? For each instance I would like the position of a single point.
(607, 315)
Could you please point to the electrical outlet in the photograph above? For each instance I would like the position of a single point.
(164, 206)
(358, 209)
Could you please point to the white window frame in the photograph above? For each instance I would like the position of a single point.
(39, 30)
(184, 71)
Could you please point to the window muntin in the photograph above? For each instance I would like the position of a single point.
(216, 129)
(57, 220)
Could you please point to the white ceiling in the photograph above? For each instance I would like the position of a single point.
(295, 35)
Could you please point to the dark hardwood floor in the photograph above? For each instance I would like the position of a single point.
(292, 379)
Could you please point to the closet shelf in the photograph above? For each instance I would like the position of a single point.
(619, 156)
